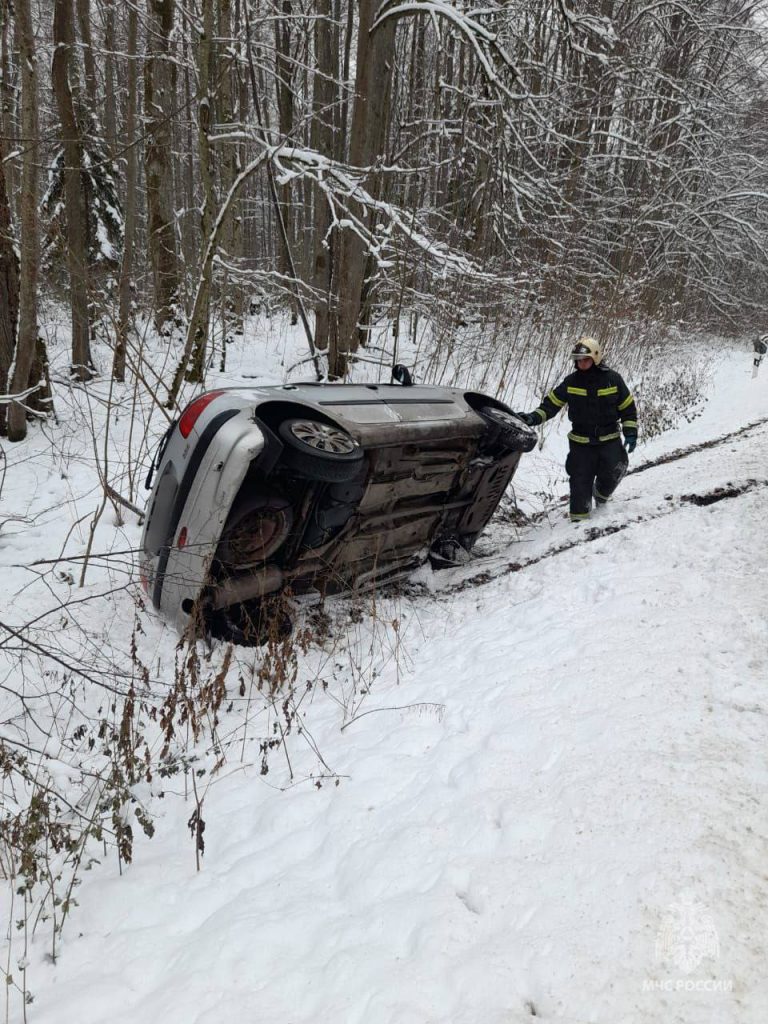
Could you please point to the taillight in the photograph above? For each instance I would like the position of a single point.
(182, 541)
(192, 413)
(145, 575)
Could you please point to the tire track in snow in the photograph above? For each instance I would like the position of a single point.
(693, 449)
(662, 460)
(480, 579)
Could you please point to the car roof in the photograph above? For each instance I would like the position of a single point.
(318, 392)
(361, 406)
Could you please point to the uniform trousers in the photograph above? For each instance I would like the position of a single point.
(600, 466)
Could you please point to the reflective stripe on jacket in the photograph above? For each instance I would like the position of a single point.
(597, 400)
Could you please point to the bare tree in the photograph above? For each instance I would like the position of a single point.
(375, 51)
(229, 98)
(110, 98)
(199, 327)
(284, 89)
(159, 112)
(131, 177)
(62, 77)
(9, 289)
(89, 58)
(29, 240)
(325, 104)
(7, 89)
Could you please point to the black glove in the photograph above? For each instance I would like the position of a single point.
(630, 440)
(529, 417)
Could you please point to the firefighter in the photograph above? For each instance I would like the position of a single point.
(597, 398)
(760, 347)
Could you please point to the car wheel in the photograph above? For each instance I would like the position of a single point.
(320, 451)
(255, 529)
(508, 430)
(252, 624)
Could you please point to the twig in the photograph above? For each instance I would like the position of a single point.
(397, 707)
(124, 501)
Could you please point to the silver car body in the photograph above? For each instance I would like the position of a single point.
(424, 463)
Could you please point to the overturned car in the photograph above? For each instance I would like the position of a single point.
(313, 489)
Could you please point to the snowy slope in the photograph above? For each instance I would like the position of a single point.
(554, 774)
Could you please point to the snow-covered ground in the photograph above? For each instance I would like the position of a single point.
(538, 797)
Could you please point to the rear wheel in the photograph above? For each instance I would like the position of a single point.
(320, 451)
(508, 430)
(256, 528)
(252, 623)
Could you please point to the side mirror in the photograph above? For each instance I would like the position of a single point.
(402, 375)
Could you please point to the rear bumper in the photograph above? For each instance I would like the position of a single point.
(208, 490)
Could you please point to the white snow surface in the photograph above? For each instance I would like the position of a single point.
(551, 777)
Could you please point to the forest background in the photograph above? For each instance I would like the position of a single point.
(523, 165)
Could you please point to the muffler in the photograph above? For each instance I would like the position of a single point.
(245, 588)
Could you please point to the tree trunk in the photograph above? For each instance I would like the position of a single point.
(7, 96)
(110, 99)
(89, 62)
(230, 164)
(342, 140)
(284, 87)
(201, 313)
(29, 234)
(62, 73)
(126, 267)
(158, 111)
(40, 399)
(9, 291)
(321, 139)
(190, 225)
(375, 52)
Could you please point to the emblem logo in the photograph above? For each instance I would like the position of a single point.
(687, 935)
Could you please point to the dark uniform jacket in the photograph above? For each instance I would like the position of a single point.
(597, 399)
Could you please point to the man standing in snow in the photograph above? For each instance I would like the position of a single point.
(597, 398)
(760, 348)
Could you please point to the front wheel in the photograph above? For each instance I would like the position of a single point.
(320, 451)
(508, 430)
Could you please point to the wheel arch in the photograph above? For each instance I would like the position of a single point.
(476, 400)
(274, 412)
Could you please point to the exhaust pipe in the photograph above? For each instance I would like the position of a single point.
(246, 588)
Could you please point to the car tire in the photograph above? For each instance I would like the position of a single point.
(320, 451)
(252, 624)
(508, 430)
(256, 527)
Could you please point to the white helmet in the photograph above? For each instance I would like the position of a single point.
(587, 348)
